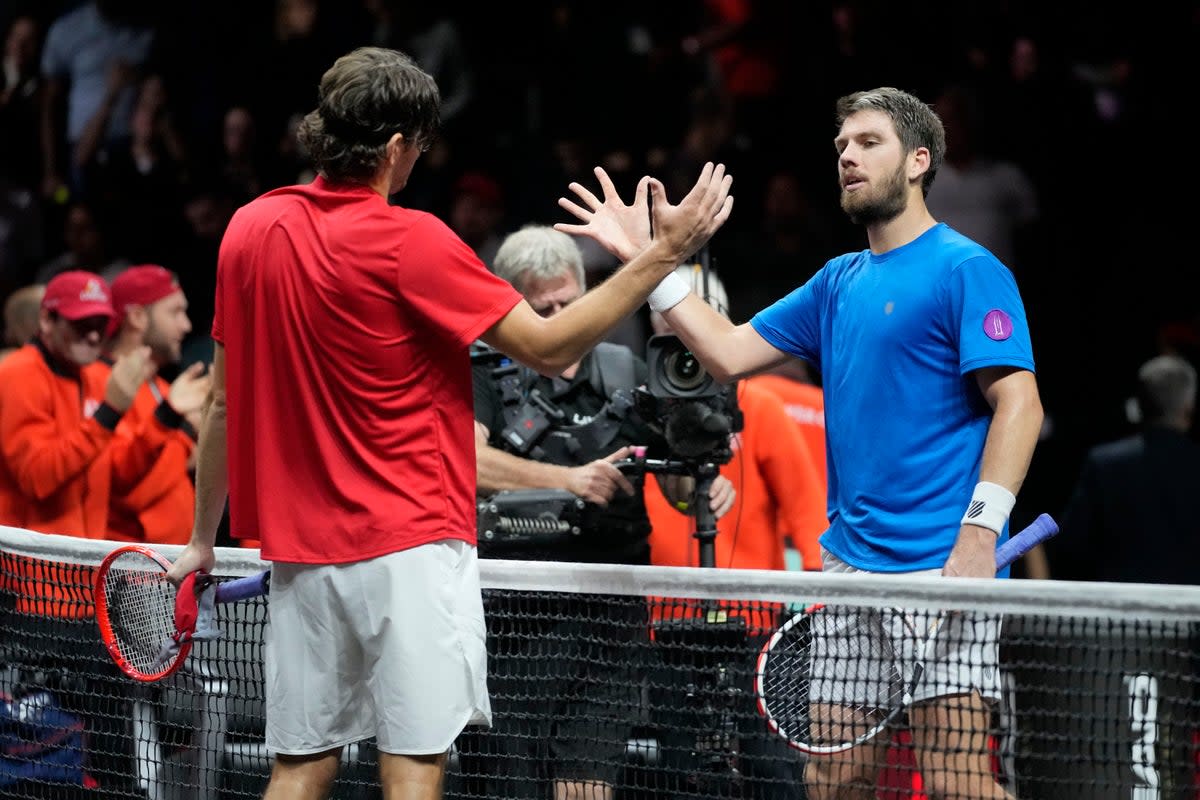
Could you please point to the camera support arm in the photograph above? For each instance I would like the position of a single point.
(703, 472)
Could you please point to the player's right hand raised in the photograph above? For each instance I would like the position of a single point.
(624, 230)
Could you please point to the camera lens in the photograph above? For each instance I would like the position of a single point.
(683, 371)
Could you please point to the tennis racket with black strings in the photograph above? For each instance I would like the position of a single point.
(784, 671)
(147, 624)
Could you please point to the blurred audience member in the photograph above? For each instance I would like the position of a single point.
(58, 417)
(153, 498)
(991, 201)
(241, 165)
(207, 208)
(143, 180)
(92, 56)
(477, 214)
(21, 317)
(767, 261)
(20, 86)
(432, 37)
(88, 241)
(289, 63)
(709, 136)
(1131, 516)
(21, 235)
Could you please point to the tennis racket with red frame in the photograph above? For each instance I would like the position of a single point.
(784, 671)
(147, 626)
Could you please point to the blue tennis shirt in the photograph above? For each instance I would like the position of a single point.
(896, 337)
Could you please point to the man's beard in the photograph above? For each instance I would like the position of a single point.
(161, 350)
(892, 200)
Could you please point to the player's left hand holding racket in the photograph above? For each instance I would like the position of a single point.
(785, 674)
(144, 626)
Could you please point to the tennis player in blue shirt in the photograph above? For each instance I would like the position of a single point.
(932, 414)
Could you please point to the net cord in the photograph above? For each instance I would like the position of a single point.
(1130, 601)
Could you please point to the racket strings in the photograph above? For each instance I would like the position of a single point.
(141, 610)
(837, 676)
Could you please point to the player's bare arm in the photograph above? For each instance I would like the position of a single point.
(550, 345)
(1012, 435)
(212, 479)
(729, 352)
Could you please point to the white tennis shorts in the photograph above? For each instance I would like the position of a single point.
(853, 649)
(392, 647)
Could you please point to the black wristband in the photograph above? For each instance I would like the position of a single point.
(168, 416)
(107, 416)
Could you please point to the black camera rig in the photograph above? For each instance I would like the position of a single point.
(529, 517)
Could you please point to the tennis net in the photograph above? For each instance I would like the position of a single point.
(641, 679)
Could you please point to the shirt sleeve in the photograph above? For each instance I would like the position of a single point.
(986, 312)
(793, 323)
(446, 285)
(54, 53)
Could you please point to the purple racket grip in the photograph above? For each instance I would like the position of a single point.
(1021, 543)
(244, 588)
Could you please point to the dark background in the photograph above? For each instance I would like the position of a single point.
(1100, 126)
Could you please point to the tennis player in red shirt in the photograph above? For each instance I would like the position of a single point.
(342, 427)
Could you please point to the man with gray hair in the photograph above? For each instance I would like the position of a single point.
(587, 718)
(1131, 516)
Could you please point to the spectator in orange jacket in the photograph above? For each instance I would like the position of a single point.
(58, 418)
(153, 498)
(804, 400)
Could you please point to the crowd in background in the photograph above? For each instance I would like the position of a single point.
(1063, 158)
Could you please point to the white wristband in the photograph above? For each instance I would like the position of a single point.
(990, 506)
(669, 293)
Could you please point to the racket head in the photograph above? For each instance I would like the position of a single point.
(135, 611)
(784, 677)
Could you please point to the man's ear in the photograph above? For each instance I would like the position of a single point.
(395, 145)
(918, 163)
(137, 317)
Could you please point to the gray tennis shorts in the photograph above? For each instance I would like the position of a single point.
(859, 654)
(392, 647)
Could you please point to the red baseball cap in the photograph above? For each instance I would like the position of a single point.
(142, 285)
(78, 294)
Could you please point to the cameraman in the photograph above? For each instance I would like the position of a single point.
(573, 730)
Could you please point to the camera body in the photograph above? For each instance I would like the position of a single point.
(695, 414)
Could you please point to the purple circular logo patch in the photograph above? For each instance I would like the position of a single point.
(997, 325)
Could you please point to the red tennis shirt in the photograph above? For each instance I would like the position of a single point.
(346, 323)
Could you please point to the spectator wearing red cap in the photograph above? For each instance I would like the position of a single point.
(58, 418)
(153, 498)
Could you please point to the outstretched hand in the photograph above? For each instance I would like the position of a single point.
(624, 230)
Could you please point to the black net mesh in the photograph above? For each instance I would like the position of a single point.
(637, 693)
